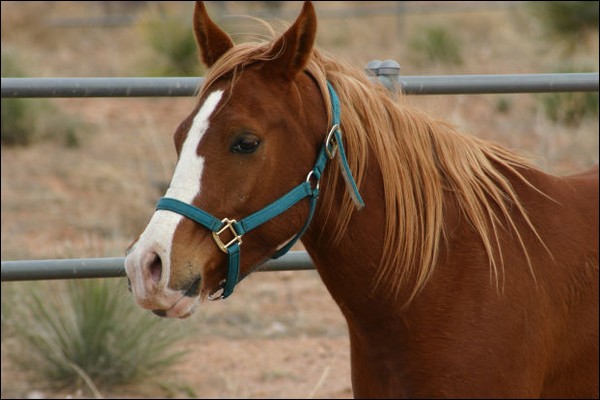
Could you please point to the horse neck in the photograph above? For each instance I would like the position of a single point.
(349, 246)
(348, 263)
(355, 261)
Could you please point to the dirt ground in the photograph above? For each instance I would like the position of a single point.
(278, 336)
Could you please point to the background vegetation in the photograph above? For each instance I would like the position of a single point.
(26, 121)
(87, 334)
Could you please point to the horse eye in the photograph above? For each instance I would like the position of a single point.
(246, 144)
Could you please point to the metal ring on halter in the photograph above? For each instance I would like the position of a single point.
(330, 140)
(217, 294)
(312, 174)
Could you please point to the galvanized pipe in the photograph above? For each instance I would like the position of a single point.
(99, 87)
(441, 84)
(494, 84)
(81, 268)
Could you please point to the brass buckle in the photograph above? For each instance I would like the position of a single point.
(331, 141)
(228, 225)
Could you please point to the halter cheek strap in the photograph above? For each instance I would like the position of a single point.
(308, 189)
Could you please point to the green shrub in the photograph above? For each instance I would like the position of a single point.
(567, 22)
(90, 333)
(13, 123)
(172, 43)
(26, 121)
(15, 129)
(569, 108)
(436, 44)
(570, 18)
(503, 104)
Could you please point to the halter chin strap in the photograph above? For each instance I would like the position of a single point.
(308, 189)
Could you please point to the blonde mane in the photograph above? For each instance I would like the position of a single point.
(420, 160)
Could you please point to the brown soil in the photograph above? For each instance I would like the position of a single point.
(280, 335)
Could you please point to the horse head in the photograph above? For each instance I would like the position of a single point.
(253, 136)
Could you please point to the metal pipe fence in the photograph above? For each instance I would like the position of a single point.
(113, 267)
(164, 87)
(421, 85)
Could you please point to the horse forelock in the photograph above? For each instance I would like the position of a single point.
(420, 159)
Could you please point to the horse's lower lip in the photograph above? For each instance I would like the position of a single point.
(176, 311)
(160, 313)
(194, 289)
(163, 314)
(192, 292)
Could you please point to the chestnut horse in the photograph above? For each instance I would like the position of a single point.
(468, 272)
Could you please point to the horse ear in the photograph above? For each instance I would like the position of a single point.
(293, 49)
(212, 41)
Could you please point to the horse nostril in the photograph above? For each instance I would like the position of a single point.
(155, 268)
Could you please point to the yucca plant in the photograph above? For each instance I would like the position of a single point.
(89, 333)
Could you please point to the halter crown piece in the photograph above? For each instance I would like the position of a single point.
(309, 188)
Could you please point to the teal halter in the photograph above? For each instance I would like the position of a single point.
(309, 188)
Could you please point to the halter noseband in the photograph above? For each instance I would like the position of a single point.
(309, 188)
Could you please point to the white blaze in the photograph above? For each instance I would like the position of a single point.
(185, 185)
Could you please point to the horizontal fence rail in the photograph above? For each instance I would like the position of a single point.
(113, 267)
(23, 270)
(178, 86)
(99, 87)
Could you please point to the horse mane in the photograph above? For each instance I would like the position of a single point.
(420, 160)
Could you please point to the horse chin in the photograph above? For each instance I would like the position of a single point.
(173, 303)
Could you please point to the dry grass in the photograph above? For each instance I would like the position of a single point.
(93, 200)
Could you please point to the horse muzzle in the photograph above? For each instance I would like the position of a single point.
(148, 282)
